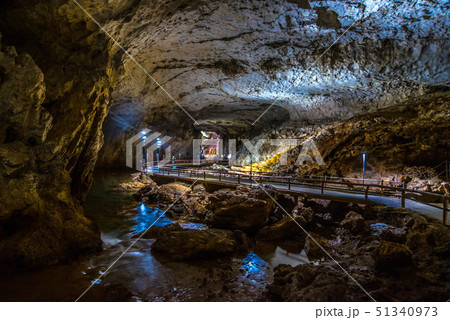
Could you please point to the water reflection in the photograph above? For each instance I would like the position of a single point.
(281, 256)
(254, 265)
(146, 217)
(120, 218)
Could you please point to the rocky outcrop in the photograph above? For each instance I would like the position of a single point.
(287, 227)
(236, 210)
(138, 183)
(389, 255)
(401, 143)
(355, 223)
(41, 219)
(317, 247)
(158, 232)
(404, 259)
(166, 193)
(313, 284)
(186, 244)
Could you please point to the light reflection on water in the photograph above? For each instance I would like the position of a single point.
(253, 265)
(281, 256)
(148, 216)
(119, 219)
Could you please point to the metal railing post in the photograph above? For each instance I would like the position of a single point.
(289, 183)
(366, 193)
(445, 211)
(321, 188)
(239, 179)
(220, 176)
(447, 168)
(403, 197)
(204, 175)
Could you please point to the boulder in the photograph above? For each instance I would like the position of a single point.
(285, 203)
(303, 214)
(428, 236)
(308, 282)
(147, 194)
(237, 211)
(388, 233)
(190, 243)
(354, 222)
(269, 193)
(144, 179)
(166, 193)
(388, 255)
(313, 247)
(157, 232)
(325, 219)
(285, 228)
(172, 191)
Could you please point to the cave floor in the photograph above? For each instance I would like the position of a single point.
(138, 276)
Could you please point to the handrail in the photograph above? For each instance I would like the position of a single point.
(322, 183)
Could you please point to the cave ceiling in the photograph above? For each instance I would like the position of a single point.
(227, 62)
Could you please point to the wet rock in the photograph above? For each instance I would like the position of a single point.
(176, 211)
(166, 193)
(303, 214)
(139, 181)
(389, 233)
(355, 223)
(312, 283)
(147, 194)
(317, 249)
(108, 293)
(172, 191)
(266, 192)
(157, 232)
(232, 210)
(189, 243)
(287, 204)
(325, 219)
(388, 255)
(284, 228)
(244, 242)
(427, 236)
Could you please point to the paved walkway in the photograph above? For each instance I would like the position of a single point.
(422, 208)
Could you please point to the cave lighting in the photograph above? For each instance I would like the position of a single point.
(364, 164)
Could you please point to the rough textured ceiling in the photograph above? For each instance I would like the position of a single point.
(227, 61)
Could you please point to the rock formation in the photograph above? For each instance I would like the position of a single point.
(55, 85)
(225, 62)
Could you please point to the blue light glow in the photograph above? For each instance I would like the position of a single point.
(253, 265)
(146, 217)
